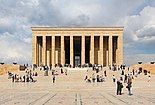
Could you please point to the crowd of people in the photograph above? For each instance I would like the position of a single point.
(28, 76)
(98, 74)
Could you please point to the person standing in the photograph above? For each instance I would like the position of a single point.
(13, 78)
(23, 78)
(105, 73)
(98, 78)
(122, 72)
(149, 78)
(31, 78)
(121, 87)
(62, 71)
(86, 78)
(125, 78)
(53, 78)
(118, 87)
(113, 78)
(93, 78)
(133, 72)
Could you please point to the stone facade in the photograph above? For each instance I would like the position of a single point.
(4, 68)
(73, 45)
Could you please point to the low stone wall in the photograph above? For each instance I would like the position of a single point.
(4, 68)
(148, 67)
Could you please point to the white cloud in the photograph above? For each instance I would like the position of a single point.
(147, 31)
(14, 49)
(17, 16)
(133, 59)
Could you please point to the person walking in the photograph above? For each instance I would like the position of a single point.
(129, 85)
(125, 78)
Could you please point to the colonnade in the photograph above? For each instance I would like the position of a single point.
(54, 54)
(98, 45)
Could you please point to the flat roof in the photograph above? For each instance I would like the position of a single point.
(117, 28)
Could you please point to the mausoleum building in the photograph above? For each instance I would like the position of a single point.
(77, 45)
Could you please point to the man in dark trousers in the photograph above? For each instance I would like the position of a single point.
(105, 73)
(13, 78)
(62, 71)
(118, 85)
(119, 88)
(53, 78)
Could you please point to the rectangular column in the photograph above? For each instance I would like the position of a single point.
(48, 57)
(119, 57)
(71, 50)
(44, 51)
(92, 49)
(62, 51)
(34, 49)
(56, 57)
(37, 51)
(53, 51)
(83, 50)
(101, 50)
(39, 54)
(107, 58)
(110, 50)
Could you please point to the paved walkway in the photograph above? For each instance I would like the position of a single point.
(72, 90)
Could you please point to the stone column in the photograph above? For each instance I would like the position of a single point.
(62, 51)
(53, 51)
(110, 50)
(39, 54)
(83, 50)
(92, 49)
(71, 50)
(34, 49)
(48, 57)
(56, 57)
(107, 58)
(101, 50)
(44, 51)
(119, 50)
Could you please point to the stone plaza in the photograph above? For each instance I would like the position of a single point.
(71, 89)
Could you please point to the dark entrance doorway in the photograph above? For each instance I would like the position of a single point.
(87, 49)
(77, 51)
(67, 50)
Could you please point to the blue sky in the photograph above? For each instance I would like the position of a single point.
(17, 16)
